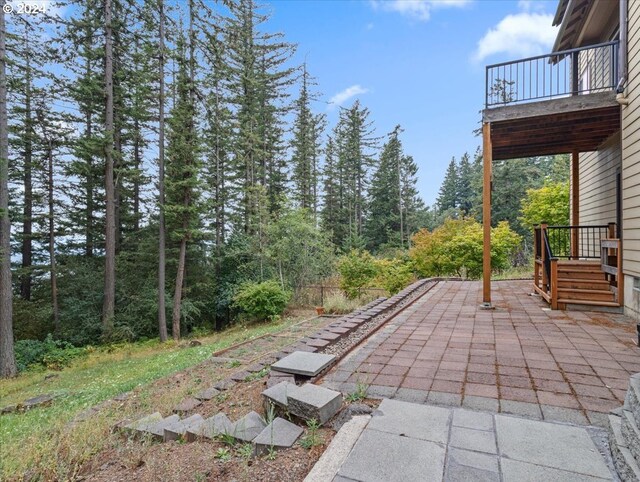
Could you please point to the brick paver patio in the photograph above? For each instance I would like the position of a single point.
(520, 358)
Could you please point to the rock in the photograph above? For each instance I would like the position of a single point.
(207, 394)
(303, 363)
(279, 434)
(143, 424)
(277, 394)
(187, 405)
(195, 343)
(8, 409)
(49, 376)
(157, 429)
(248, 427)
(122, 397)
(221, 360)
(39, 401)
(275, 379)
(210, 428)
(348, 413)
(313, 402)
(256, 367)
(177, 429)
(224, 384)
(240, 376)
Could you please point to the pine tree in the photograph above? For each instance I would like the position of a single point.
(7, 357)
(394, 200)
(355, 145)
(258, 86)
(464, 190)
(182, 206)
(331, 182)
(306, 146)
(448, 194)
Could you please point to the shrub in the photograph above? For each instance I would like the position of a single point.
(262, 301)
(357, 270)
(394, 274)
(455, 248)
(53, 354)
(339, 304)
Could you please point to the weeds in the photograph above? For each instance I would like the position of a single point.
(312, 438)
(257, 375)
(272, 453)
(246, 451)
(359, 394)
(223, 454)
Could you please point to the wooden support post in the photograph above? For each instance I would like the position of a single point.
(536, 266)
(620, 274)
(487, 153)
(575, 203)
(554, 283)
(543, 256)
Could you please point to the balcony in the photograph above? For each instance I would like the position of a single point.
(552, 104)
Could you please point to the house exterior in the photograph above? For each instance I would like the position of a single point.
(583, 98)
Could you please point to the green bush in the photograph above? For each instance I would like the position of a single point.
(50, 353)
(262, 301)
(358, 270)
(394, 275)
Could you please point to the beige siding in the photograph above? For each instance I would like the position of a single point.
(598, 183)
(631, 150)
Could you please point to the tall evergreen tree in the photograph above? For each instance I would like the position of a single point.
(448, 194)
(182, 205)
(7, 357)
(464, 190)
(306, 146)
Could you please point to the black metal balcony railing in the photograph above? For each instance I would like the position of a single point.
(559, 74)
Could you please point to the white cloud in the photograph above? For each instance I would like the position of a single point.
(522, 34)
(346, 94)
(417, 9)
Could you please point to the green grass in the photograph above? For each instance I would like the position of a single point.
(56, 449)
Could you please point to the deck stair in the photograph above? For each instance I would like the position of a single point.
(584, 283)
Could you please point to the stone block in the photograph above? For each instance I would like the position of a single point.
(224, 385)
(187, 405)
(277, 394)
(278, 434)
(313, 402)
(177, 429)
(210, 428)
(240, 376)
(248, 427)
(144, 423)
(302, 363)
(39, 401)
(157, 429)
(277, 377)
(207, 394)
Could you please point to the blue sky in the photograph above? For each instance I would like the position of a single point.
(418, 63)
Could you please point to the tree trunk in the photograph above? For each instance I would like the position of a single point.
(7, 357)
(108, 307)
(89, 184)
(162, 315)
(177, 297)
(27, 213)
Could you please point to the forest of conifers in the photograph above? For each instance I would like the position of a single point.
(156, 155)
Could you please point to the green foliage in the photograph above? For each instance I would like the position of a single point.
(455, 248)
(394, 274)
(548, 204)
(312, 438)
(357, 270)
(262, 301)
(223, 454)
(359, 394)
(50, 353)
(339, 304)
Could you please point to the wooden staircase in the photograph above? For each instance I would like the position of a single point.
(584, 283)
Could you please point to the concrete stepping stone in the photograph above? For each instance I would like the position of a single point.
(39, 401)
(187, 405)
(279, 377)
(176, 430)
(303, 363)
(248, 427)
(157, 429)
(210, 428)
(224, 385)
(277, 394)
(240, 376)
(279, 434)
(144, 423)
(318, 343)
(314, 402)
(207, 394)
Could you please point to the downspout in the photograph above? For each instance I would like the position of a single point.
(622, 54)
